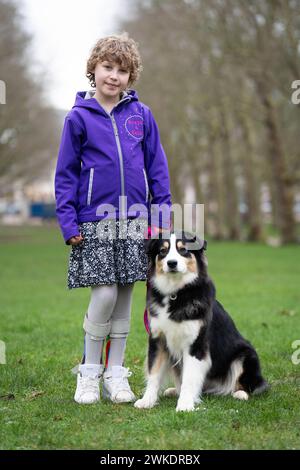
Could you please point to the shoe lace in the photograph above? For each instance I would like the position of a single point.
(121, 383)
(90, 383)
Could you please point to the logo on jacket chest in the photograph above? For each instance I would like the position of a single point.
(134, 125)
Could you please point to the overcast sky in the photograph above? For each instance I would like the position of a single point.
(63, 32)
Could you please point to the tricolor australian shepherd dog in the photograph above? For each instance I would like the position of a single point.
(191, 335)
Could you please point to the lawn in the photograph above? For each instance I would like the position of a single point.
(41, 325)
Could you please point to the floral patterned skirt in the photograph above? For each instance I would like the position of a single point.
(112, 252)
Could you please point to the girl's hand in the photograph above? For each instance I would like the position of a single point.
(154, 231)
(75, 240)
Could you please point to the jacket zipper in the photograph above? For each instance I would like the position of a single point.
(115, 128)
(120, 160)
(89, 196)
(146, 184)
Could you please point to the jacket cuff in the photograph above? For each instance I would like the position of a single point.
(67, 234)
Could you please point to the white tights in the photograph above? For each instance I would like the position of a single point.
(108, 303)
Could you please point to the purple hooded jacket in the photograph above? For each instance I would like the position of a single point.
(106, 156)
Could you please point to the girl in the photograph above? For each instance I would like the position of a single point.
(110, 158)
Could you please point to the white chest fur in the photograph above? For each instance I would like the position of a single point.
(179, 335)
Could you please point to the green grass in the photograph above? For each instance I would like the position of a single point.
(41, 324)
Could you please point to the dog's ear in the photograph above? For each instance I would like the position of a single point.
(147, 244)
(194, 243)
(150, 245)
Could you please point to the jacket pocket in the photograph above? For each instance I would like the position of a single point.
(146, 185)
(90, 188)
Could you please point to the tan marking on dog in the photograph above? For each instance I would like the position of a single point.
(192, 264)
(237, 386)
(160, 358)
(159, 262)
(159, 266)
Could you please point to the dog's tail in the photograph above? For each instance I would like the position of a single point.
(264, 386)
(251, 378)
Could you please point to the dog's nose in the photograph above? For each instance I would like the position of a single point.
(172, 263)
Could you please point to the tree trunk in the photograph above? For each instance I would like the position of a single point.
(281, 179)
(214, 196)
(252, 187)
(231, 205)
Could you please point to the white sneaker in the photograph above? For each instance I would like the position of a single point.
(88, 379)
(115, 385)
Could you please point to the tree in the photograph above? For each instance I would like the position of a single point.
(218, 76)
(28, 126)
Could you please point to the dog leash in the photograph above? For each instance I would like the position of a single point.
(146, 313)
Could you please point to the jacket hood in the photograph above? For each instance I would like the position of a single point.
(85, 99)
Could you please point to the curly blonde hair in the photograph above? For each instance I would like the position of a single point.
(117, 48)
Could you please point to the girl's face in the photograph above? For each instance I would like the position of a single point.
(111, 79)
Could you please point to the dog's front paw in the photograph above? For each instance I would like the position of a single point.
(145, 402)
(185, 404)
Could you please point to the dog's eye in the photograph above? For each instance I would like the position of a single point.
(183, 250)
(163, 251)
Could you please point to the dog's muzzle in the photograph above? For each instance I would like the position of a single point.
(172, 265)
